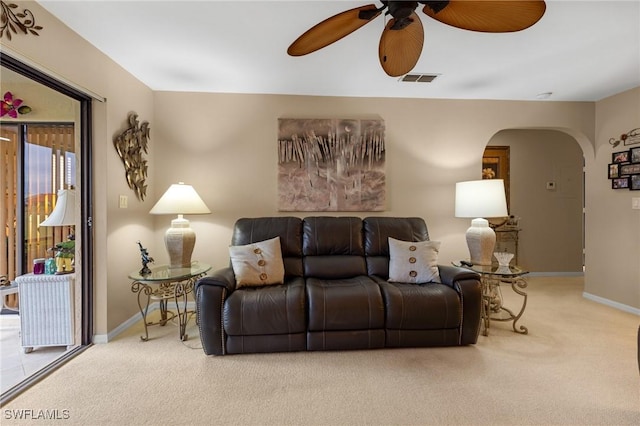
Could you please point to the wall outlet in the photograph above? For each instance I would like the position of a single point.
(123, 202)
(635, 203)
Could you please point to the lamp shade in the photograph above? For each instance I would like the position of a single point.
(481, 198)
(64, 213)
(180, 199)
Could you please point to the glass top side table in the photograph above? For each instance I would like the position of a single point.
(163, 284)
(492, 301)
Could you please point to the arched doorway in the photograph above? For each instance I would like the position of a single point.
(546, 180)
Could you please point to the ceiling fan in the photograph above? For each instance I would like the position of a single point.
(403, 36)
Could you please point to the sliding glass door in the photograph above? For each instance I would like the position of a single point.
(43, 151)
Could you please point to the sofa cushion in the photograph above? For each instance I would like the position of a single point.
(332, 247)
(334, 267)
(377, 231)
(413, 262)
(257, 264)
(430, 306)
(270, 310)
(344, 304)
(288, 228)
(332, 236)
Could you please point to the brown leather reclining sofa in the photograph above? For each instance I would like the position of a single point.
(335, 294)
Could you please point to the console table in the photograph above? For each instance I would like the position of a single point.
(493, 309)
(164, 284)
(507, 240)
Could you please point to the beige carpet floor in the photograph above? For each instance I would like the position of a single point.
(576, 366)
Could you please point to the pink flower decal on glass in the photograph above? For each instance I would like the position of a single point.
(12, 107)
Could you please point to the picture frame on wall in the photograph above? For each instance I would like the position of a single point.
(496, 165)
(634, 182)
(335, 164)
(628, 169)
(620, 157)
(620, 183)
(634, 155)
(614, 170)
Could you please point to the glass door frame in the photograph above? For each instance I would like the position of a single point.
(85, 221)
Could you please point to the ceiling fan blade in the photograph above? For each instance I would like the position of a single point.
(490, 16)
(400, 49)
(333, 29)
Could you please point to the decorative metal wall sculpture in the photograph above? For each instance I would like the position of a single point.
(331, 165)
(130, 145)
(14, 21)
(632, 137)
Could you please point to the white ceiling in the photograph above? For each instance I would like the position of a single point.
(579, 50)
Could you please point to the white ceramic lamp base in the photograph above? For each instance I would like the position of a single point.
(180, 241)
(481, 240)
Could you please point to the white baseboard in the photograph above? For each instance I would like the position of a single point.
(611, 303)
(106, 338)
(592, 297)
(556, 274)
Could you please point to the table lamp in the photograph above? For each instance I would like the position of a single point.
(64, 214)
(180, 239)
(481, 199)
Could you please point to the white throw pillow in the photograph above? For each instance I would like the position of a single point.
(258, 264)
(413, 262)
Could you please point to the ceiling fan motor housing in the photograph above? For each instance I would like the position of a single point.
(401, 9)
(436, 6)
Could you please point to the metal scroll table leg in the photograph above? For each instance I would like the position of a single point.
(181, 295)
(485, 315)
(182, 290)
(143, 290)
(163, 312)
(490, 302)
(518, 286)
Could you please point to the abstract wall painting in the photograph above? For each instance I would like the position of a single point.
(331, 165)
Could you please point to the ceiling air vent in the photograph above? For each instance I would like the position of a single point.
(419, 78)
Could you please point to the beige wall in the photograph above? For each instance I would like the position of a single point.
(551, 220)
(613, 228)
(61, 53)
(224, 144)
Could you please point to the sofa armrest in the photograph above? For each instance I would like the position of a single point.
(210, 294)
(221, 278)
(467, 284)
(450, 274)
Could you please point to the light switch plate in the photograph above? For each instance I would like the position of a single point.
(635, 203)
(123, 202)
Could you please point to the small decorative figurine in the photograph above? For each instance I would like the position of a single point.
(64, 254)
(146, 259)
